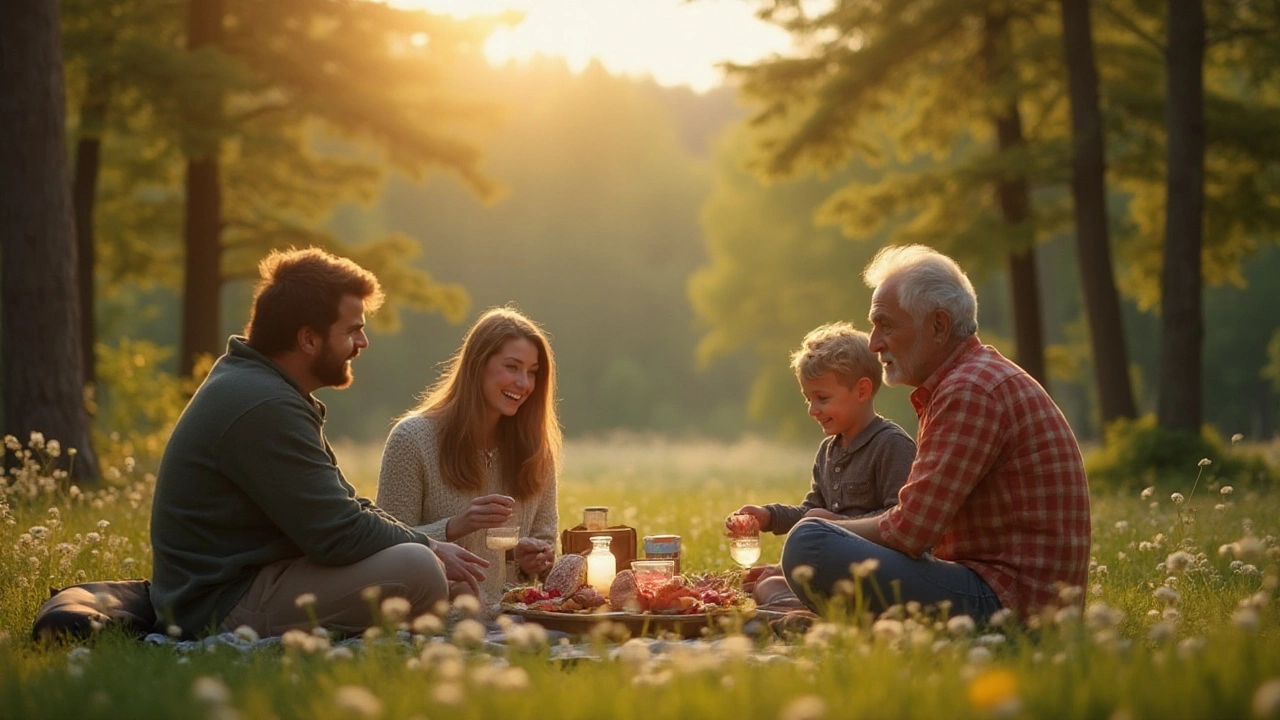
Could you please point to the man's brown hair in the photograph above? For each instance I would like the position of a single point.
(303, 288)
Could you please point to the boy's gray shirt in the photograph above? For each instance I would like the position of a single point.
(248, 479)
(862, 478)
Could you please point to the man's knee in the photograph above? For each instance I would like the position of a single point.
(802, 543)
(421, 571)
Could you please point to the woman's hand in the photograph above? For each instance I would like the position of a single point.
(461, 565)
(534, 556)
(485, 511)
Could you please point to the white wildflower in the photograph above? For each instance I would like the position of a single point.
(428, 624)
(1226, 490)
(468, 632)
(1204, 461)
(1162, 631)
(246, 634)
(395, 609)
(1177, 498)
(961, 625)
(1266, 699)
(634, 652)
(371, 594)
(1148, 491)
(1179, 561)
(1166, 594)
(211, 690)
(305, 600)
(358, 700)
(802, 574)
(468, 605)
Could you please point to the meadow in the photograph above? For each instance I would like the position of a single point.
(1180, 618)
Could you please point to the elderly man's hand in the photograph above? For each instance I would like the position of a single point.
(461, 565)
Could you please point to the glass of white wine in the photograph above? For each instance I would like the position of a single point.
(500, 540)
(744, 541)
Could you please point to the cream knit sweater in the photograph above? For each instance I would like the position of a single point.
(412, 490)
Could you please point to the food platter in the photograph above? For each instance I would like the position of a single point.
(640, 624)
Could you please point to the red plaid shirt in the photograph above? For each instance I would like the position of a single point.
(998, 483)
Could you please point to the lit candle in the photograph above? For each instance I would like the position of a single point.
(602, 566)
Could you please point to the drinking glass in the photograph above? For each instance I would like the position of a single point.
(744, 540)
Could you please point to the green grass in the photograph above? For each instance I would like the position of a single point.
(1131, 656)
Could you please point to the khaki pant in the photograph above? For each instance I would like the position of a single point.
(408, 570)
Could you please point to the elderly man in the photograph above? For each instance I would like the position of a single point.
(995, 511)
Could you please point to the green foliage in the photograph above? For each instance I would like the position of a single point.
(138, 402)
(1139, 453)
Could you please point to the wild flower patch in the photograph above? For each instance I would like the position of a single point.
(1179, 619)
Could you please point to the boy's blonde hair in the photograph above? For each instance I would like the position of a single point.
(838, 348)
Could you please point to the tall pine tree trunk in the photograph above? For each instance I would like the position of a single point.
(40, 317)
(201, 324)
(84, 189)
(1182, 322)
(1014, 199)
(1093, 242)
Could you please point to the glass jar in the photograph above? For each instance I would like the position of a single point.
(602, 566)
(595, 517)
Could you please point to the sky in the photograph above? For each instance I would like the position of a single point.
(677, 42)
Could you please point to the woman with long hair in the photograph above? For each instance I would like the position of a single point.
(481, 450)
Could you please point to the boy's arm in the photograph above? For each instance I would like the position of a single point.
(784, 517)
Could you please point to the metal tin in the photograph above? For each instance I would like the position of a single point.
(663, 547)
(595, 517)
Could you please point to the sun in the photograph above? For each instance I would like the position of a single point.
(675, 42)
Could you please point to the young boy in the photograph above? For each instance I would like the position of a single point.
(863, 461)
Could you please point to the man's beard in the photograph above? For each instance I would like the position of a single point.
(331, 370)
(902, 370)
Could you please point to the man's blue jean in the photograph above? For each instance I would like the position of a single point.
(830, 550)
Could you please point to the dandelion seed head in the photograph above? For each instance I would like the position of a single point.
(1162, 631)
(1204, 461)
(961, 625)
(1148, 491)
(1266, 699)
(468, 633)
(1000, 618)
(1179, 561)
(395, 609)
(737, 646)
(634, 652)
(358, 700)
(1177, 498)
(340, 653)
(211, 690)
(246, 634)
(468, 605)
(1226, 490)
(802, 574)
(305, 600)
(428, 624)
(371, 594)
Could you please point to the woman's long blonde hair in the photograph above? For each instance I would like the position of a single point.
(529, 441)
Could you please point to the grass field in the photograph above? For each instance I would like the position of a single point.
(1180, 620)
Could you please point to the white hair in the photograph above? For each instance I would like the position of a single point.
(928, 281)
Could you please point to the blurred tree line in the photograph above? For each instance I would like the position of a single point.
(676, 246)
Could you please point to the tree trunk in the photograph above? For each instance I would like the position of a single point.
(202, 231)
(1182, 322)
(40, 317)
(1093, 242)
(84, 189)
(1014, 198)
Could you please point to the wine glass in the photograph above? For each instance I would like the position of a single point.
(744, 540)
(501, 539)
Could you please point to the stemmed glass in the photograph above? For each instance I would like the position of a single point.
(744, 540)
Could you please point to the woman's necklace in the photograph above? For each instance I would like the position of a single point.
(489, 453)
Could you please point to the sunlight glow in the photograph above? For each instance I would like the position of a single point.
(677, 42)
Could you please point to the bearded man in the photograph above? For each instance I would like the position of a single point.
(995, 511)
(253, 524)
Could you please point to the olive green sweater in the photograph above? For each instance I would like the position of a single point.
(247, 480)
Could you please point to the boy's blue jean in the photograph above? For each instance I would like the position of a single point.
(830, 550)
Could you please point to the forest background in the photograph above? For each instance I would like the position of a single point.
(653, 231)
